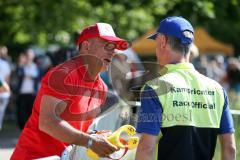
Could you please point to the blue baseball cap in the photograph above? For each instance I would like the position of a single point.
(177, 27)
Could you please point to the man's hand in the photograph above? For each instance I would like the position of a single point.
(101, 146)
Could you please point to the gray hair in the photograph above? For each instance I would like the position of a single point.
(177, 46)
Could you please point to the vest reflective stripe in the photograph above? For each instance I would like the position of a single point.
(188, 98)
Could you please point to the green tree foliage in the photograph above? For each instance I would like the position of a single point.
(54, 21)
(226, 25)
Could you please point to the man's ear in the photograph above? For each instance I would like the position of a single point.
(85, 46)
(163, 40)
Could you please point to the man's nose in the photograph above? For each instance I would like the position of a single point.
(112, 53)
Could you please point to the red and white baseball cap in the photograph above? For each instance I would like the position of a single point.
(103, 31)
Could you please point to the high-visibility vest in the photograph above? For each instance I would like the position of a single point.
(188, 97)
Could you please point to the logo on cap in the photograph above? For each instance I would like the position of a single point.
(188, 34)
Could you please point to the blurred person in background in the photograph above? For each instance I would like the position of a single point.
(44, 63)
(232, 81)
(222, 68)
(233, 74)
(220, 59)
(22, 61)
(27, 73)
(19, 75)
(216, 68)
(60, 55)
(5, 72)
(4, 87)
(202, 65)
(4, 54)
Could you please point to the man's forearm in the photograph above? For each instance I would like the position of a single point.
(63, 131)
(228, 146)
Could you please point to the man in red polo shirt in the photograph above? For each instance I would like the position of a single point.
(69, 98)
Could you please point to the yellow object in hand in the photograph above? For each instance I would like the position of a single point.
(115, 139)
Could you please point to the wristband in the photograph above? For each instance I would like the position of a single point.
(90, 142)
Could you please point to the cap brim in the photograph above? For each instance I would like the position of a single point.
(121, 43)
(111, 38)
(153, 36)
